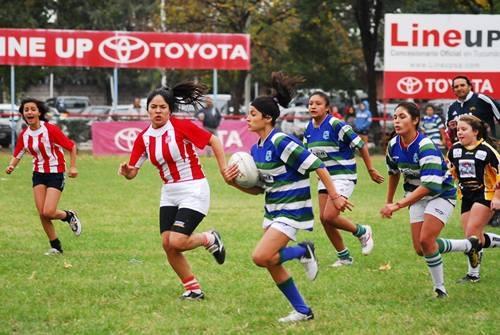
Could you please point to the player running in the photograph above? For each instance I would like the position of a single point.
(284, 165)
(185, 195)
(45, 142)
(334, 142)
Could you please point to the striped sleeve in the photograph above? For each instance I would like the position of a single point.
(346, 134)
(138, 155)
(19, 149)
(392, 166)
(430, 161)
(295, 155)
(491, 103)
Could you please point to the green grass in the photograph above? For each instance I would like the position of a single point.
(119, 282)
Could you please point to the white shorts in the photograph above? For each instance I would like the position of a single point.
(289, 231)
(193, 194)
(344, 187)
(437, 207)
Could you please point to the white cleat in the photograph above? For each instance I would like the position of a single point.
(53, 252)
(366, 241)
(297, 317)
(309, 260)
(342, 262)
(75, 224)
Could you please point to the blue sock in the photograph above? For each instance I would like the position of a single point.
(360, 230)
(289, 253)
(291, 292)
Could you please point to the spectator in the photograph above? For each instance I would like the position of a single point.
(349, 115)
(211, 118)
(136, 111)
(469, 102)
(334, 111)
(363, 121)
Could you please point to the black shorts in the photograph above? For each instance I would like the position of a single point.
(183, 220)
(55, 180)
(471, 199)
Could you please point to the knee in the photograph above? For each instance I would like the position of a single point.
(48, 213)
(260, 259)
(329, 218)
(427, 244)
(177, 243)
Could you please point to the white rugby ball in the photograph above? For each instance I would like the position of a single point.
(249, 175)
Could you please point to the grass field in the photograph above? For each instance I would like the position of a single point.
(114, 278)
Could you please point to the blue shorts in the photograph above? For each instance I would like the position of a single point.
(54, 180)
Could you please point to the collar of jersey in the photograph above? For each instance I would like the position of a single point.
(469, 95)
(406, 147)
(474, 146)
(324, 120)
(262, 141)
(159, 131)
(35, 132)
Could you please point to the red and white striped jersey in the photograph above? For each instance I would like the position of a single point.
(45, 145)
(170, 149)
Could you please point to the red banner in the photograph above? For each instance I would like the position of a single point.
(84, 48)
(436, 85)
(110, 138)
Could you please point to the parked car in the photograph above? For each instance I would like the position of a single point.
(98, 112)
(5, 123)
(126, 113)
(69, 104)
(294, 120)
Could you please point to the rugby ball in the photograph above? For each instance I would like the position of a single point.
(249, 175)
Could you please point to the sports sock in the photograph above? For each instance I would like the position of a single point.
(344, 254)
(56, 244)
(474, 271)
(209, 239)
(68, 217)
(491, 240)
(435, 265)
(448, 245)
(291, 292)
(360, 230)
(191, 284)
(289, 253)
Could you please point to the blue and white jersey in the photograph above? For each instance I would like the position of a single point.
(284, 165)
(421, 164)
(334, 142)
(432, 125)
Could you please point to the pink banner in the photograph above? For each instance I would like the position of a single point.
(117, 138)
(85, 48)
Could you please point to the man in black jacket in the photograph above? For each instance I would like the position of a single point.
(211, 118)
(469, 102)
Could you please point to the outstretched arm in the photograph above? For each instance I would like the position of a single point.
(216, 145)
(73, 172)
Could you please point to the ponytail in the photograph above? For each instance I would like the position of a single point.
(184, 93)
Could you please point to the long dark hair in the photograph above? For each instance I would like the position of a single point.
(480, 126)
(284, 89)
(412, 109)
(42, 107)
(184, 93)
(323, 95)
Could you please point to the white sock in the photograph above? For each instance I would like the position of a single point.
(449, 245)
(494, 240)
(436, 268)
(474, 271)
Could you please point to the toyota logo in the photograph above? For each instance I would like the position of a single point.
(125, 138)
(409, 85)
(123, 49)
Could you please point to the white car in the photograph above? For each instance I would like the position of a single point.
(294, 120)
(5, 123)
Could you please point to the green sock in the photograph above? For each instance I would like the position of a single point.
(344, 254)
(360, 230)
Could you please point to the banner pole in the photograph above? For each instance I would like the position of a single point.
(115, 86)
(215, 84)
(12, 107)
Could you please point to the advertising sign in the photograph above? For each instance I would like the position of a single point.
(111, 138)
(422, 53)
(123, 49)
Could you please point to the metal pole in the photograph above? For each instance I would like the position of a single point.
(256, 89)
(115, 86)
(163, 19)
(51, 85)
(12, 107)
(248, 91)
(215, 86)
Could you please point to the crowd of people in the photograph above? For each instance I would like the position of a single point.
(431, 181)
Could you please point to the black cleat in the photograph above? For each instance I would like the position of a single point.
(468, 279)
(440, 294)
(190, 295)
(473, 254)
(217, 249)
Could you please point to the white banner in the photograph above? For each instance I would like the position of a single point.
(442, 43)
